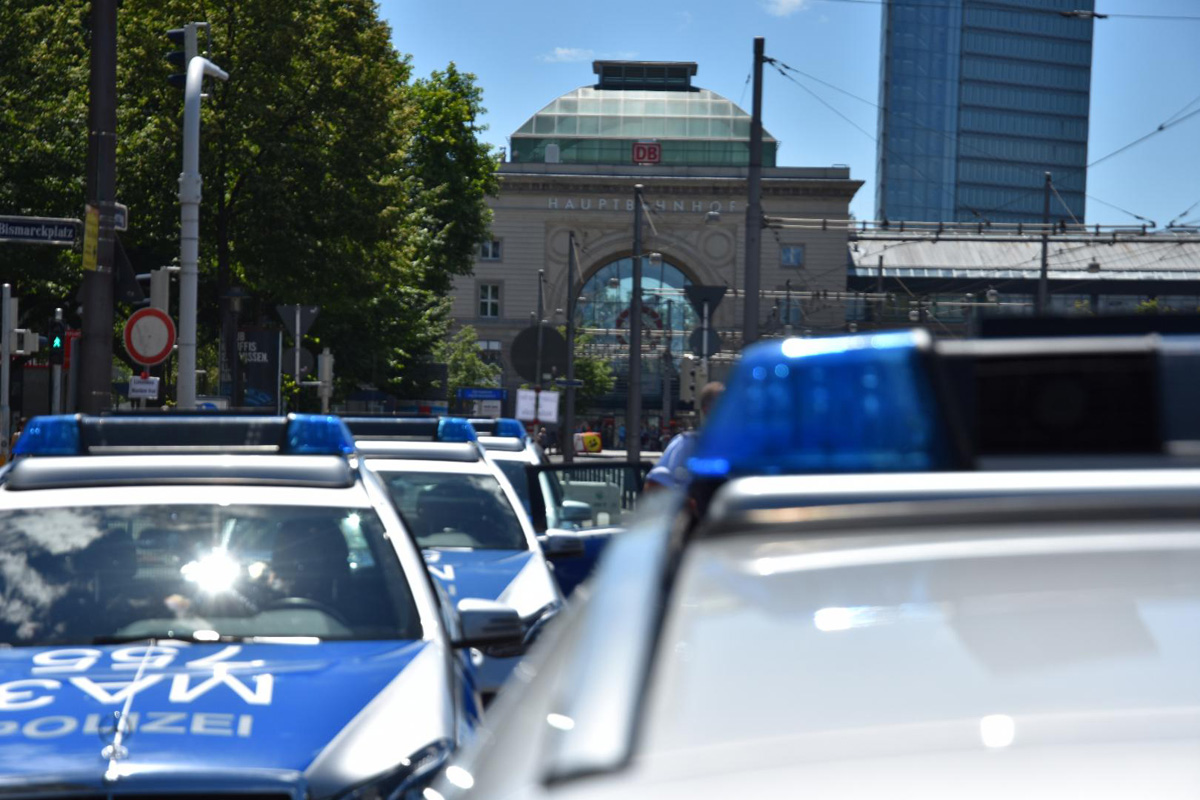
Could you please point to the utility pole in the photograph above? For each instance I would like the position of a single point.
(633, 414)
(540, 314)
(666, 370)
(56, 363)
(1043, 291)
(95, 369)
(567, 438)
(6, 325)
(754, 213)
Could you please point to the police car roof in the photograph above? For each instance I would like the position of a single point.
(747, 501)
(155, 449)
(898, 402)
(326, 472)
(463, 452)
(505, 444)
(438, 429)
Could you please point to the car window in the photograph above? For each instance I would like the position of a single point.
(455, 510)
(87, 575)
(515, 472)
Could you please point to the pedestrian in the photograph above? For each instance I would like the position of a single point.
(671, 470)
(542, 440)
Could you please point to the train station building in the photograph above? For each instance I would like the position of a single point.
(570, 173)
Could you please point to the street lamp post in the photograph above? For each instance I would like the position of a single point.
(633, 416)
(567, 439)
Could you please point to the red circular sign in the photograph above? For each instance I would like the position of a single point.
(149, 336)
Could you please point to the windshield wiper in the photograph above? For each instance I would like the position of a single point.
(169, 637)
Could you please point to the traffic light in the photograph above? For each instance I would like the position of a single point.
(58, 341)
(185, 38)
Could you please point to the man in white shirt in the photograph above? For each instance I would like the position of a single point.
(671, 470)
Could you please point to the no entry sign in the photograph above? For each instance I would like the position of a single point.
(149, 336)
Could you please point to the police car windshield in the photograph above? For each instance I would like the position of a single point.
(456, 510)
(96, 574)
(515, 472)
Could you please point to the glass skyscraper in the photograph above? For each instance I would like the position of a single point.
(978, 100)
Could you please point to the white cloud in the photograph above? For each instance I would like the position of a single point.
(565, 55)
(783, 8)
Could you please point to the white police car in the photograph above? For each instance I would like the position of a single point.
(220, 606)
(467, 520)
(611, 487)
(996, 593)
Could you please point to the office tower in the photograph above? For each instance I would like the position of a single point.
(978, 100)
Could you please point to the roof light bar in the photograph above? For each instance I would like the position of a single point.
(296, 434)
(56, 435)
(841, 404)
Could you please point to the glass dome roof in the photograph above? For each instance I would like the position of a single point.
(599, 126)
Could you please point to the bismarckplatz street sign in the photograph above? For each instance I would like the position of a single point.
(39, 230)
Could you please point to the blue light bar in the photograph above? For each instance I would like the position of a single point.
(318, 434)
(841, 404)
(50, 436)
(455, 429)
(507, 426)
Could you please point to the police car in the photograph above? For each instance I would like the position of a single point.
(612, 488)
(467, 520)
(901, 570)
(221, 605)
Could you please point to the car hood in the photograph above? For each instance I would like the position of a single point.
(483, 574)
(258, 709)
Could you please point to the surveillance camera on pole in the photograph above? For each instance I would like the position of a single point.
(189, 215)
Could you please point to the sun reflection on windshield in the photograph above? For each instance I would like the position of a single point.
(214, 573)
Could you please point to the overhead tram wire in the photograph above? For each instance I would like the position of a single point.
(946, 191)
(1164, 126)
(1183, 213)
(1147, 220)
(948, 137)
(1024, 190)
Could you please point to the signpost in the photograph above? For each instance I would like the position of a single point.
(39, 230)
(143, 388)
(91, 238)
(481, 394)
(298, 319)
(527, 405)
(547, 407)
(705, 300)
(149, 336)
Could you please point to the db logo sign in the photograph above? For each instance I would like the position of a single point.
(647, 152)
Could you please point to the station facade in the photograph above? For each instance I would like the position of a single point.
(572, 169)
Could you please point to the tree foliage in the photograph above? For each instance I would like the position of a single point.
(331, 177)
(465, 366)
(596, 374)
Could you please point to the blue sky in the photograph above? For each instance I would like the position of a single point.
(526, 53)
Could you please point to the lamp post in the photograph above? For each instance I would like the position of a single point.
(567, 439)
(633, 416)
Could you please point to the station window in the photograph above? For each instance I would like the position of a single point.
(791, 256)
(490, 350)
(489, 300)
(489, 250)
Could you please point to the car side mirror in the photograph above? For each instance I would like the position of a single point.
(486, 624)
(575, 511)
(562, 545)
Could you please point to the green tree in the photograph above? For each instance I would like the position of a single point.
(465, 366)
(595, 372)
(330, 177)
